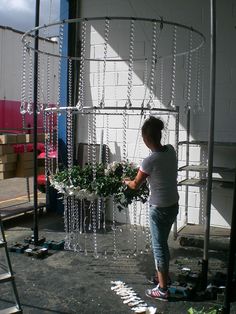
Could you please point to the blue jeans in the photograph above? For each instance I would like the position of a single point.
(161, 220)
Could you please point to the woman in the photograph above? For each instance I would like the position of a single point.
(160, 169)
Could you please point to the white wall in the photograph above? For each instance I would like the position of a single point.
(191, 13)
(11, 67)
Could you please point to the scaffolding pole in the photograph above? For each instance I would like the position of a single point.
(210, 139)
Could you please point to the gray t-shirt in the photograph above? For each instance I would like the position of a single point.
(161, 168)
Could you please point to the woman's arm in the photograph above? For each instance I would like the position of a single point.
(139, 179)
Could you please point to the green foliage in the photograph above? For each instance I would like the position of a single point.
(99, 180)
(202, 311)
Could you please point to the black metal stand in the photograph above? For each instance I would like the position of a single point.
(35, 129)
(210, 140)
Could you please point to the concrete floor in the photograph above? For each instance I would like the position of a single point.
(67, 282)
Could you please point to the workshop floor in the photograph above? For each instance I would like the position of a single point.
(67, 282)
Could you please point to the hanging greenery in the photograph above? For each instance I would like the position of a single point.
(93, 181)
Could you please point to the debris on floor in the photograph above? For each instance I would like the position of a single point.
(131, 298)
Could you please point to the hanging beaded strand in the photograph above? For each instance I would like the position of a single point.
(198, 95)
(30, 92)
(135, 228)
(46, 130)
(173, 76)
(115, 251)
(150, 103)
(89, 153)
(131, 64)
(94, 209)
(61, 37)
(39, 85)
(23, 104)
(145, 82)
(80, 103)
(188, 73)
(70, 197)
(106, 36)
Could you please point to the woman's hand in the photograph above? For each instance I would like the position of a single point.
(126, 181)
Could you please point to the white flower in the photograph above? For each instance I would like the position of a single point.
(81, 194)
(91, 197)
(70, 190)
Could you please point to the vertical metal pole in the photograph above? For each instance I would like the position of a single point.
(210, 139)
(36, 43)
(175, 231)
(187, 163)
(231, 260)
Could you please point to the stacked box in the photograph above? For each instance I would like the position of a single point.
(21, 138)
(8, 139)
(29, 138)
(6, 149)
(7, 160)
(25, 165)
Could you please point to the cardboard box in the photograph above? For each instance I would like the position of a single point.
(8, 167)
(7, 175)
(41, 138)
(25, 165)
(7, 138)
(27, 156)
(6, 149)
(30, 138)
(7, 158)
(21, 138)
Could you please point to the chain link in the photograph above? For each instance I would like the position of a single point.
(80, 103)
(188, 76)
(150, 103)
(173, 76)
(23, 85)
(106, 36)
(30, 93)
(131, 65)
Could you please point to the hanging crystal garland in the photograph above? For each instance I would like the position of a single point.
(198, 96)
(173, 76)
(145, 82)
(107, 159)
(69, 143)
(188, 73)
(94, 209)
(39, 86)
(80, 102)
(131, 65)
(45, 117)
(85, 229)
(150, 103)
(162, 81)
(81, 205)
(67, 245)
(147, 229)
(23, 86)
(61, 38)
(134, 204)
(106, 36)
(30, 92)
(114, 229)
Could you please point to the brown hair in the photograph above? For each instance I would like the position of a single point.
(152, 128)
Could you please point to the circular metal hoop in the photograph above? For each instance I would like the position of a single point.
(111, 110)
(160, 21)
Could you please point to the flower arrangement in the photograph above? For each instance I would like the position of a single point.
(93, 181)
